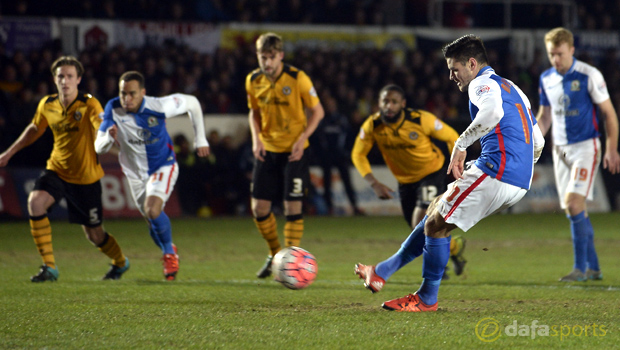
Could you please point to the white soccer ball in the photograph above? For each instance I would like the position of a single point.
(294, 267)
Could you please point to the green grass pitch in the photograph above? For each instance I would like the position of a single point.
(514, 262)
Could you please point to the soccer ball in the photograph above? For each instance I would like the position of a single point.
(294, 267)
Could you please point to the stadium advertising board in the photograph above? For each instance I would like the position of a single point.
(201, 37)
(16, 184)
(25, 34)
(332, 37)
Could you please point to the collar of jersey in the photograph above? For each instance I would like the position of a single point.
(402, 121)
(484, 70)
(142, 105)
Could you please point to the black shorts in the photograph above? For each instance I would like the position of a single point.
(83, 201)
(421, 193)
(277, 178)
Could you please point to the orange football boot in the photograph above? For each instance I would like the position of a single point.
(409, 303)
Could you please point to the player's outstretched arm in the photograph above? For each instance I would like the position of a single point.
(382, 191)
(28, 136)
(197, 117)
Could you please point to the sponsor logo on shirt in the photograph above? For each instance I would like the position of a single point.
(65, 128)
(575, 85)
(144, 134)
(273, 101)
(482, 90)
(564, 101)
(286, 90)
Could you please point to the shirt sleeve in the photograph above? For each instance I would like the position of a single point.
(597, 87)
(308, 93)
(252, 101)
(39, 118)
(104, 140)
(363, 144)
(179, 104)
(95, 112)
(487, 97)
(437, 129)
(542, 94)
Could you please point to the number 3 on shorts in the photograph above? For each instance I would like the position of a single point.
(297, 185)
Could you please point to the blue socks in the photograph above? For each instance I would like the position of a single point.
(578, 228)
(161, 231)
(411, 248)
(155, 237)
(436, 255)
(592, 260)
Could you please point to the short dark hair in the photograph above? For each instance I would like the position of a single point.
(466, 47)
(395, 88)
(67, 61)
(133, 75)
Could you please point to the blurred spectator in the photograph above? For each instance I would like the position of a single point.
(190, 182)
(328, 144)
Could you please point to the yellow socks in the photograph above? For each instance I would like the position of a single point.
(42, 234)
(111, 248)
(293, 230)
(267, 227)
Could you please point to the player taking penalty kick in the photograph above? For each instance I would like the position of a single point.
(511, 143)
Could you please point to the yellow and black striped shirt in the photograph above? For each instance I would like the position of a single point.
(282, 106)
(406, 145)
(73, 157)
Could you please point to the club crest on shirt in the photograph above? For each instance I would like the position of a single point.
(152, 121)
(286, 90)
(482, 90)
(77, 115)
(575, 85)
(413, 135)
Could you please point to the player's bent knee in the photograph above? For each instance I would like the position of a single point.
(39, 202)
(574, 203)
(152, 213)
(436, 226)
(431, 207)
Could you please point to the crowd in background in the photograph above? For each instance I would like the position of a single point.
(347, 82)
(590, 15)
